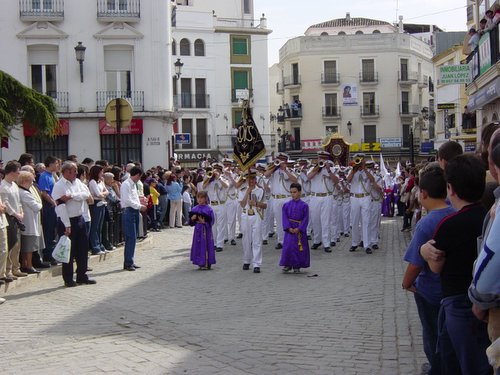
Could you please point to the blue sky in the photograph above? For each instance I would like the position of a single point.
(291, 18)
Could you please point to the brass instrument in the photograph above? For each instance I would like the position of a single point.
(358, 160)
(209, 174)
(277, 163)
(321, 164)
(250, 208)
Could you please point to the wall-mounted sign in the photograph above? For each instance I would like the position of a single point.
(454, 74)
(183, 138)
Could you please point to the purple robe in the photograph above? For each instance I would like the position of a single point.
(202, 249)
(387, 204)
(295, 251)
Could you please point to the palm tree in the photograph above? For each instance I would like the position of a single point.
(19, 104)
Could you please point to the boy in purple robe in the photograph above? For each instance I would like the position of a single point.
(295, 253)
(202, 217)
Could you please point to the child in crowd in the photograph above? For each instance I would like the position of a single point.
(463, 338)
(418, 277)
(202, 218)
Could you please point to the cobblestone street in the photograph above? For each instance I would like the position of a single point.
(347, 314)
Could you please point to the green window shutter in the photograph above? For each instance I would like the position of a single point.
(240, 46)
(240, 79)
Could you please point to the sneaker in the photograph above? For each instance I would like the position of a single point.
(2, 300)
(287, 269)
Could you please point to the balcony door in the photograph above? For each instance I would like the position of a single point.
(331, 104)
(43, 69)
(118, 69)
(42, 5)
(117, 5)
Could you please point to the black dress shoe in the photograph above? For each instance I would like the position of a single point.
(129, 268)
(271, 235)
(240, 235)
(287, 269)
(53, 262)
(353, 248)
(7, 279)
(328, 250)
(368, 250)
(226, 241)
(41, 265)
(233, 242)
(264, 242)
(256, 270)
(332, 244)
(2, 282)
(30, 270)
(136, 266)
(70, 284)
(246, 267)
(218, 249)
(375, 247)
(346, 235)
(315, 246)
(278, 246)
(86, 282)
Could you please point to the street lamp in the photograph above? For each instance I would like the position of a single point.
(412, 147)
(80, 57)
(349, 127)
(178, 68)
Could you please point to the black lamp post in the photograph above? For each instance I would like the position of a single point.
(280, 144)
(178, 68)
(349, 127)
(80, 57)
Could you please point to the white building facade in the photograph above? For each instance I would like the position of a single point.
(358, 77)
(223, 49)
(127, 55)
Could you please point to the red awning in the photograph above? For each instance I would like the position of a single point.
(135, 127)
(30, 131)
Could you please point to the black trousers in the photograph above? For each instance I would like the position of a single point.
(79, 249)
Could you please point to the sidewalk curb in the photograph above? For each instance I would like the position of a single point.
(56, 271)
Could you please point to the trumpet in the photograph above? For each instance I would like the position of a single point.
(277, 163)
(358, 160)
(209, 174)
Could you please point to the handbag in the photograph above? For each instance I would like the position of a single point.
(62, 250)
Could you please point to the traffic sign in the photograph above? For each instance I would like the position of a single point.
(118, 110)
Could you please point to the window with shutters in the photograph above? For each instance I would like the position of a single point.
(199, 47)
(185, 47)
(368, 70)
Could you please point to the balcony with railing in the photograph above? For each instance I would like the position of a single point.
(226, 141)
(235, 23)
(406, 78)
(237, 94)
(330, 78)
(369, 111)
(197, 101)
(409, 110)
(41, 10)
(135, 98)
(291, 81)
(61, 98)
(119, 10)
(481, 63)
(331, 112)
(423, 81)
(368, 78)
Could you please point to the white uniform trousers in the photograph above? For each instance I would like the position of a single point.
(220, 224)
(374, 223)
(251, 227)
(335, 219)
(319, 213)
(360, 212)
(231, 210)
(268, 222)
(277, 205)
(239, 210)
(346, 216)
(307, 199)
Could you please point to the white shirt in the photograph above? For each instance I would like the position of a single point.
(319, 183)
(74, 207)
(9, 191)
(186, 197)
(257, 194)
(129, 195)
(360, 183)
(279, 183)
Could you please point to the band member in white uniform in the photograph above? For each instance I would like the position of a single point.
(376, 195)
(231, 206)
(345, 215)
(252, 202)
(215, 185)
(268, 222)
(322, 180)
(280, 178)
(360, 180)
(336, 214)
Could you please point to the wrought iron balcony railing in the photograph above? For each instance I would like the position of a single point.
(119, 10)
(41, 10)
(135, 98)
